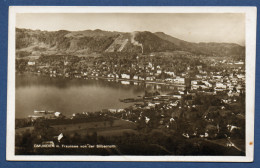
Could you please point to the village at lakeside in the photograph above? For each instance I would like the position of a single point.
(203, 114)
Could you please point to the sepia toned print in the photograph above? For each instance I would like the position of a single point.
(141, 85)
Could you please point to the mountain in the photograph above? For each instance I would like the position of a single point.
(36, 42)
(205, 48)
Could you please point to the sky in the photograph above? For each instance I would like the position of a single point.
(192, 27)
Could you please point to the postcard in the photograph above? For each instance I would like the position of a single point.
(131, 83)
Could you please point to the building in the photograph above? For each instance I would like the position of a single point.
(220, 87)
(136, 77)
(125, 76)
(31, 63)
(149, 78)
(169, 80)
(177, 96)
(125, 82)
(194, 82)
(179, 80)
(239, 63)
(159, 71)
(169, 73)
(110, 75)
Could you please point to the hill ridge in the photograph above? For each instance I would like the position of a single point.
(37, 42)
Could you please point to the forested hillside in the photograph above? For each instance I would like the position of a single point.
(36, 42)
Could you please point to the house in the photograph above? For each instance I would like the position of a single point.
(54, 72)
(169, 80)
(125, 82)
(174, 104)
(226, 101)
(199, 67)
(66, 63)
(85, 73)
(116, 76)
(184, 74)
(199, 76)
(57, 114)
(170, 73)
(33, 117)
(110, 75)
(194, 82)
(186, 135)
(121, 110)
(220, 86)
(177, 96)
(202, 72)
(239, 63)
(149, 78)
(195, 87)
(217, 76)
(229, 144)
(125, 76)
(159, 71)
(179, 80)
(31, 63)
(207, 83)
(172, 120)
(147, 120)
(234, 80)
(136, 77)
(67, 75)
(181, 92)
(151, 104)
(240, 76)
(112, 110)
(77, 75)
(158, 86)
(150, 65)
(181, 88)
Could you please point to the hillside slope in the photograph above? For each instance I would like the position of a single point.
(226, 49)
(36, 42)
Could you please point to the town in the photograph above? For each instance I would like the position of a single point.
(207, 100)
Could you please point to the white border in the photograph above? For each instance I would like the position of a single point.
(250, 80)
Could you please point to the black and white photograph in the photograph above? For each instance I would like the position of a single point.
(131, 83)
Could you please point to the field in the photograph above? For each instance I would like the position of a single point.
(104, 128)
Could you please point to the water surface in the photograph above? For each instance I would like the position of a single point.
(34, 92)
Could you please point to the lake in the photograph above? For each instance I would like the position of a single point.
(37, 92)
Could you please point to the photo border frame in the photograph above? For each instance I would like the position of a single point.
(3, 87)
